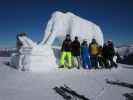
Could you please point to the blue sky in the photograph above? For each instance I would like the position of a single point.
(115, 17)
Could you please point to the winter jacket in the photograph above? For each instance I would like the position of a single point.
(84, 50)
(108, 51)
(105, 51)
(66, 46)
(111, 50)
(100, 51)
(93, 48)
(76, 48)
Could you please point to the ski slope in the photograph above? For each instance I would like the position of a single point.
(17, 85)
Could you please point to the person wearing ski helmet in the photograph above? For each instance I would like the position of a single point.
(66, 54)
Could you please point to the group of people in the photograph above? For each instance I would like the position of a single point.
(87, 56)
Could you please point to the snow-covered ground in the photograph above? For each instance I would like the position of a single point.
(16, 85)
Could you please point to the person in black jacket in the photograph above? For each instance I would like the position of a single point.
(111, 54)
(100, 57)
(76, 52)
(108, 54)
(66, 54)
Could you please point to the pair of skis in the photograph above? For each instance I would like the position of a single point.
(68, 94)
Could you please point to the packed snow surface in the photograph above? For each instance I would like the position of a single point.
(17, 85)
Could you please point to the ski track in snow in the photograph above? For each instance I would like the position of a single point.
(16, 85)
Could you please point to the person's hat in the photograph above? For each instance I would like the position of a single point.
(93, 40)
(76, 37)
(68, 35)
(109, 41)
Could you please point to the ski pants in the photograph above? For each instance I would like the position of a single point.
(101, 61)
(86, 62)
(112, 63)
(94, 61)
(66, 56)
(109, 63)
(76, 61)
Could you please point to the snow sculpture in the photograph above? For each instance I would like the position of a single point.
(33, 57)
(40, 57)
(61, 24)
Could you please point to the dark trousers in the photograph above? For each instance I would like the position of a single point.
(86, 62)
(101, 61)
(112, 63)
(107, 64)
(94, 61)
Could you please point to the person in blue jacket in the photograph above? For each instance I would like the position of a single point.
(85, 55)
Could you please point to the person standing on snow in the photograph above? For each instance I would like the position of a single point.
(93, 48)
(111, 53)
(100, 57)
(85, 55)
(76, 52)
(66, 55)
(105, 55)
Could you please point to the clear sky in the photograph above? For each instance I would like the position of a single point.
(115, 17)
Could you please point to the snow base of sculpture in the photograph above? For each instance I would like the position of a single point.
(39, 58)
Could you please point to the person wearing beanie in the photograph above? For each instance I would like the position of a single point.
(66, 54)
(76, 52)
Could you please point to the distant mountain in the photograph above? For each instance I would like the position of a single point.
(126, 54)
(6, 52)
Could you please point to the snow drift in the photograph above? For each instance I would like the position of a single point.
(40, 57)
